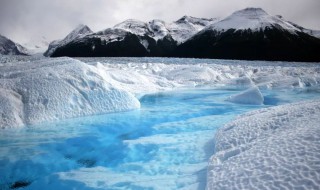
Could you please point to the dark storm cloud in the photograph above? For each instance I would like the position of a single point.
(22, 20)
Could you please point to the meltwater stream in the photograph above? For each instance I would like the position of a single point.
(164, 145)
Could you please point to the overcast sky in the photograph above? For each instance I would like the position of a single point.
(24, 20)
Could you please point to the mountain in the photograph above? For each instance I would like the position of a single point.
(315, 33)
(248, 34)
(8, 47)
(179, 30)
(252, 34)
(182, 29)
(80, 31)
(134, 38)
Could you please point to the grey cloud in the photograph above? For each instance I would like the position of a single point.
(22, 19)
(25, 19)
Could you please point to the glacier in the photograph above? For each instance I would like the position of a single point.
(45, 89)
(56, 89)
(276, 146)
(268, 149)
(249, 96)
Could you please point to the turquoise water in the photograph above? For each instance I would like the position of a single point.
(164, 145)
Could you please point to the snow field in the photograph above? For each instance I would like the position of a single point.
(269, 148)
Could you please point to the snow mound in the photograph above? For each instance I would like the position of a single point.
(269, 148)
(251, 96)
(251, 18)
(57, 89)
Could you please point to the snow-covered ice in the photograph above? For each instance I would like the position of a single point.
(39, 85)
(56, 89)
(249, 96)
(270, 148)
(168, 141)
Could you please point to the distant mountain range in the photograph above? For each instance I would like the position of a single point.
(248, 34)
(130, 38)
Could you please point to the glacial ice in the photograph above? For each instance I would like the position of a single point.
(268, 149)
(250, 96)
(56, 89)
(53, 89)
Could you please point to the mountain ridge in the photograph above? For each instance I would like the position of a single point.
(8, 47)
(250, 34)
(79, 31)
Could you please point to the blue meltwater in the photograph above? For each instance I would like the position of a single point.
(164, 145)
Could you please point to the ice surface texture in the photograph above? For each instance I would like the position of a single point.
(46, 89)
(57, 89)
(250, 96)
(272, 148)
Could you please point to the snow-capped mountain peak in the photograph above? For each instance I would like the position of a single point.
(77, 32)
(196, 21)
(134, 26)
(158, 28)
(252, 18)
(187, 26)
(80, 31)
(155, 28)
(180, 30)
(251, 12)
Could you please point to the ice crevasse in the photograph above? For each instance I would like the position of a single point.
(56, 89)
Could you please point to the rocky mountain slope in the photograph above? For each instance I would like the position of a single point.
(248, 34)
(252, 34)
(8, 47)
(133, 38)
(78, 32)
